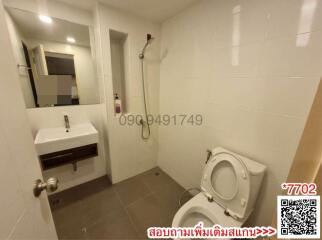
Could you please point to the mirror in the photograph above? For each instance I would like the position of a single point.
(54, 60)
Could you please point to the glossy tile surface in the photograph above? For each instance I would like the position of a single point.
(251, 68)
(100, 210)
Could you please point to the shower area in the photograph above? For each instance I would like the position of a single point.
(131, 71)
(119, 50)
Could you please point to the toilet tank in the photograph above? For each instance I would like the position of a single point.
(256, 173)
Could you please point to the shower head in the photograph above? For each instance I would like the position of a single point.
(149, 39)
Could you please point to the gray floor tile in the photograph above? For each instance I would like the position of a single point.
(62, 199)
(168, 197)
(155, 178)
(146, 212)
(79, 192)
(69, 216)
(99, 210)
(131, 190)
(118, 227)
(92, 187)
(98, 205)
(68, 232)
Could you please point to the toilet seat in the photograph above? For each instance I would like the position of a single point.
(226, 180)
(200, 209)
(229, 188)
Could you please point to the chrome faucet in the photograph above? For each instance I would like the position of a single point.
(67, 126)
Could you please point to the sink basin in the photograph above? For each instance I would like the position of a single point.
(49, 140)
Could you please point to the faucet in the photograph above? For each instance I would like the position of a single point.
(67, 126)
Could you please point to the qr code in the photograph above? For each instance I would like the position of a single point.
(298, 217)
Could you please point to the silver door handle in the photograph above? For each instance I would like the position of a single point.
(51, 186)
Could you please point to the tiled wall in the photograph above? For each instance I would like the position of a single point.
(251, 68)
(129, 154)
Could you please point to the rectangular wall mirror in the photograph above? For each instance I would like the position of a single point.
(54, 60)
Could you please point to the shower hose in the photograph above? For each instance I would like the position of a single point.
(144, 137)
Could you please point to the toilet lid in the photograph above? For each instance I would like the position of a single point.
(227, 180)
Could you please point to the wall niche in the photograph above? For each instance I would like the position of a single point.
(119, 57)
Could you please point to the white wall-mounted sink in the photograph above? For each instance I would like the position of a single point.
(50, 140)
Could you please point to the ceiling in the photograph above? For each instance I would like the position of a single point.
(153, 10)
(31, 27)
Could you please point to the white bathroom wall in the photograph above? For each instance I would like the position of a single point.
(251, 68)
(86, 79)
(129, 154)
(53, 117)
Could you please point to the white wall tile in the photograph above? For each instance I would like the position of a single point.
(129, 154)
(281, 56)
(253, 82)
(294, 17)
(241, 60)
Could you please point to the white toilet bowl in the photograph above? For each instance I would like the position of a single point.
(229, 186)
(200, 209)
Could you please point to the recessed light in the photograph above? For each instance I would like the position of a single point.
(71, 39)
(45, 19)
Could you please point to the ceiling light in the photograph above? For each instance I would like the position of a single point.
(71, 39)
(45, 19)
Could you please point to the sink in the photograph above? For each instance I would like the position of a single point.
(49, 140)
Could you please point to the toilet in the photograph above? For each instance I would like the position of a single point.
(229, 187)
